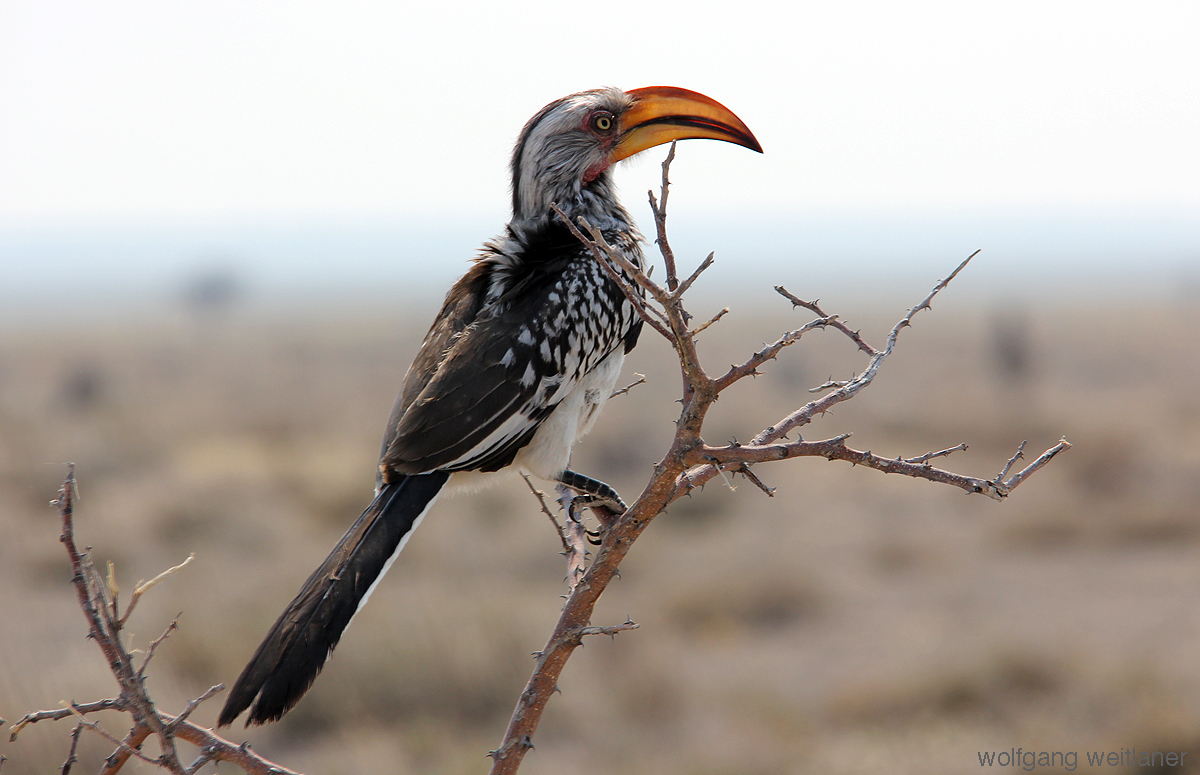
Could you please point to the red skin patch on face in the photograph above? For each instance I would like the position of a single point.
(594, 171)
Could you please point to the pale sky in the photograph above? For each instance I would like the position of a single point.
(1061, 134)
(193, 110)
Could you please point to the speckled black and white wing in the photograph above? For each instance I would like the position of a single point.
(547, 318)
(527, 348)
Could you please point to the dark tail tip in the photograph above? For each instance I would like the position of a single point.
(301, 640)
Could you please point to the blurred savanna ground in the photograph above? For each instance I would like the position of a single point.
(853, 623)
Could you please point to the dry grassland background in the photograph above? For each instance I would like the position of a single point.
(854, 623)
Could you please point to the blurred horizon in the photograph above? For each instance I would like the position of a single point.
(1024, 253)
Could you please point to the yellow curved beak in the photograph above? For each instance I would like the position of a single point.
(661, 114)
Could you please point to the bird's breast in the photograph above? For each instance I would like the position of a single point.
(549, 451)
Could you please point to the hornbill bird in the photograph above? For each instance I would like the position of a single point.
(525, 351)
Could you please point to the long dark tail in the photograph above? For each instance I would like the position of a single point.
(294, 651)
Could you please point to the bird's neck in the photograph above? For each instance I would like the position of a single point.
(536, 237)
(596, 202)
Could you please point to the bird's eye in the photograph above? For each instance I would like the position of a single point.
(602, 121)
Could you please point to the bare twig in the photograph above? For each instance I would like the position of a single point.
(641, 380)
(113, 589)
(154, 644)
(60, 713)
(1033, 467)
(660, 225)
(71, 757)
(768, 353)
(611, 630)
(830, 384)
(1020, 453)
(192, 705)
(142, 587)
(672, 312)
(615, 258)
(836, 449)
(604, 254)
(696, 331)
(813, 306)
(541, 498)
(705, 264)
(206, 756)
(745, 471)
(940, 453)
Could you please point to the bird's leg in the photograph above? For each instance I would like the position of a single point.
(594, 494)
(593, 491)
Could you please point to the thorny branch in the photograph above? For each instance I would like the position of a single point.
(690, 462)
(98, 599)
(940, 453)
(641, 380)
(660, 228)
(576, 537)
